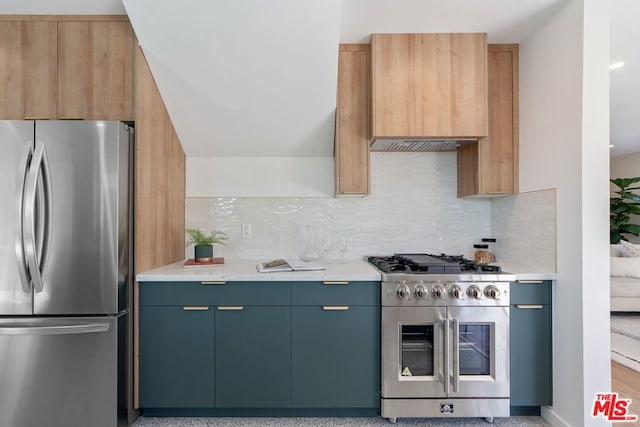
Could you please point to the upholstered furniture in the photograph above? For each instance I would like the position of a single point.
(625, 289)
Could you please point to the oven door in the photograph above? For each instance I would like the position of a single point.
(413, 354)
(478, 360)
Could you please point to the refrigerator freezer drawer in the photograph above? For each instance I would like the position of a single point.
(59, 371)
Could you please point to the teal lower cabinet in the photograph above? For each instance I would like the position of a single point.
(336, 357)
(531, 347)
(253, 357)
(176, 357)
(260, 348)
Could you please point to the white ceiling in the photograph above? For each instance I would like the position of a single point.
(625, 82)
(255, 105)
(244, 77)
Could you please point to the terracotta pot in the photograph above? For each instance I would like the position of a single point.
(203, 253)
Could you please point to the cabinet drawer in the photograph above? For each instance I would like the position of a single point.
(531, 293)
(212, 293)
(336, 293)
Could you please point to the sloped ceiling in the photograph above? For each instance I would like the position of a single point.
(244, 77)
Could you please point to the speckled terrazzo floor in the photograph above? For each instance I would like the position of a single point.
(335, 422)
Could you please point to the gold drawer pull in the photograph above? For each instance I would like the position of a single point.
(529, 281)
(336, 282)
(231, 307)
(195, 307)
(335, 307)
(71, 118)
(36, 118)
(214, 282)
(530, 306)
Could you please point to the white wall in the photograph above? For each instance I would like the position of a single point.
(626, 166)
(412, 207)
(564, 145)
(260, 177)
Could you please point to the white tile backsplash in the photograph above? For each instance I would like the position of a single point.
(412, 207)
(525, 229)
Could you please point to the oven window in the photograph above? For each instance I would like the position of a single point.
(475, 350)
(417, 351)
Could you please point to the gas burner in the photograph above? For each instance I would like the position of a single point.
(430, 264)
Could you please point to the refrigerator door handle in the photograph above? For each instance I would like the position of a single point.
(37, 262)
(86, 328)
(27, 153)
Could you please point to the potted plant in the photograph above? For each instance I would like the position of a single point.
(622, 207)
(203, 243)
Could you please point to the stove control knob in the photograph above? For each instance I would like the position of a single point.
(438, 292)
(455, 292)
(492, 292)
(420, 291)
(474, 292)
(403, 291)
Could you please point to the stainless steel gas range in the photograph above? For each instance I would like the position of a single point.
(445, 337)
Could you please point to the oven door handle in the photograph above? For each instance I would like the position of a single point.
(445, 351)
(456, 352)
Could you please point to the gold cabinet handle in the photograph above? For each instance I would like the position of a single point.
(529, 306)
(213, 282)
(231, 307)
(336, 282)
(335, 307)
(36, 118)
(71, 118)
(195, 307)
(529, 281)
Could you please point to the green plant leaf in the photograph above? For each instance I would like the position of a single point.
(630, 228)
(631, 196)
(621, 208)
(625, 182)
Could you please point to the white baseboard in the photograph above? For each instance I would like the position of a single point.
(548, 414)
(625, 361)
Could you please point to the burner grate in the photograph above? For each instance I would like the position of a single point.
(430, 264)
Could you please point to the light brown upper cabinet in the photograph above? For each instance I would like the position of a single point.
(27, 70)
(352, 121)
(429, 85)
(490, 167)
(95, 70)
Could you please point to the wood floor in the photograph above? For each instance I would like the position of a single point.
(626, 382)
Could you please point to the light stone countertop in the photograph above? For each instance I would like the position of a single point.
(245, 270)
(527, 273)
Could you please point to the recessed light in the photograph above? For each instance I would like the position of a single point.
(616, 65)
(610, 145)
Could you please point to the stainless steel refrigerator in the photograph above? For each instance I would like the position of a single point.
(65, 272)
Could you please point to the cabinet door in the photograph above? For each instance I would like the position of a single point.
(253, 356)
(95, 70)
(28, 55)
(499, 151)
(336, 357)
(352, 121)
(431, 85)
(490, 166)
(176, 357)
(530, 355)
